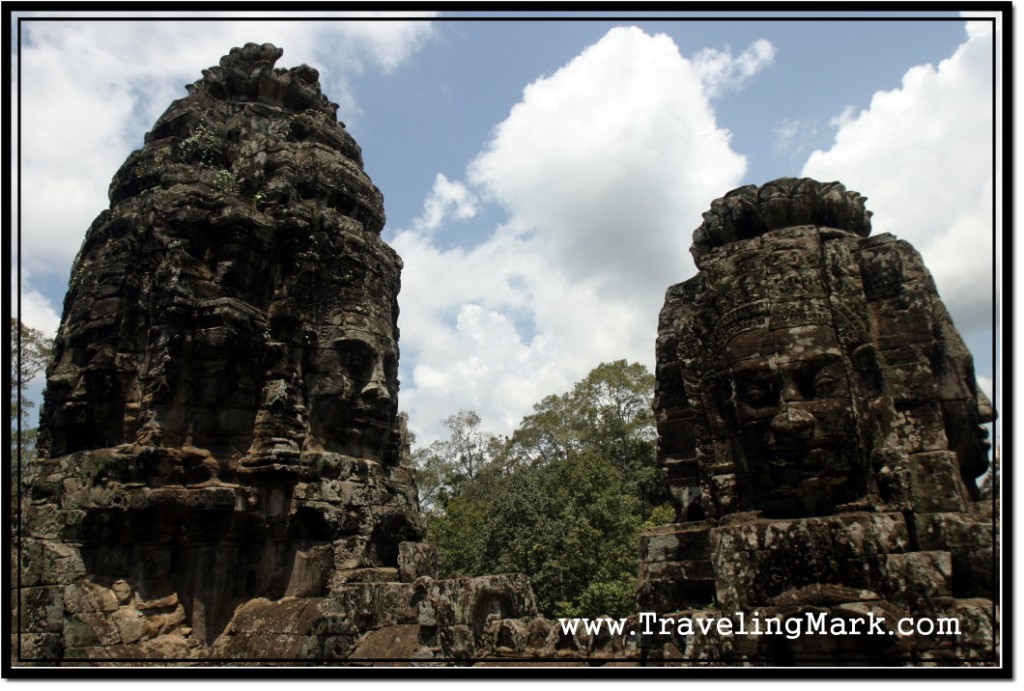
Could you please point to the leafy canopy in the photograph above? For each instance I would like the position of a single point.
(30, 353)
(563, 499)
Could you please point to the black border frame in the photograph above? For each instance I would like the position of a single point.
(643, 10)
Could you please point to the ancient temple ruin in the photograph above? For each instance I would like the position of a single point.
(820, 429)
(220, 440)
(224, 475)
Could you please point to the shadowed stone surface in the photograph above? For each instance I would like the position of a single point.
(223, 466)
(820, 430)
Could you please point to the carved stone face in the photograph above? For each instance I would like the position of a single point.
(792, 398)
(352, 397)
(967, 437)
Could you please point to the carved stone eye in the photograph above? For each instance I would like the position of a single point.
(757, 396)
(357, 358)
(826, 384)
(827, 380)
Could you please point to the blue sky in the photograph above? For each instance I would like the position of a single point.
(542, 178)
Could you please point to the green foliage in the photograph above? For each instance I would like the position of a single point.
(162, 155)
(444, 467)
(226, 181)
(201, 146)
(30, 353)
(563, 499)
(662, 514)
(587, 537)
(603, 597)
(459, 535)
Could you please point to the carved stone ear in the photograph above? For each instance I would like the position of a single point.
(721, 413)
(865, 361)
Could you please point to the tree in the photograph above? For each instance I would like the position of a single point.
(607, 413)
(459, 534)
(615, 419)
(444, 466)
(30, 353)
(562, 500)
(572, 528)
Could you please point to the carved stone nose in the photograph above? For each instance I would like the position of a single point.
(793, 423)
(375, 391)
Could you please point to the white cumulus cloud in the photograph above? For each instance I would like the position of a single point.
(793, 134)
(447, 199)
(603, 169)
(606, 157)
(36, 310)
(923, 156)
(721, 72)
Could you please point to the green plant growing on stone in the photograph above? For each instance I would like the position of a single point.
(226, 181)
(199, 147)
(162, 155)
(96, 467)
(660, 515)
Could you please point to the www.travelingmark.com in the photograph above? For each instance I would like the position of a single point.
(744, 624)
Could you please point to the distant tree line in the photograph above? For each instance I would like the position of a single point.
(563, 499)
(30, 353)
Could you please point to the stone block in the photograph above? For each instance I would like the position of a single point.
(672, 595)
(676, 542)
(417, 560)
(916, 575)
(90, 630)
(310, 571)
(471, 601)
(82, 597)
(380, 574)
(132, 626)
(935, 482)
(695, 570)
(357, 608)
(42, 609)
(37, 648)
(398, 642)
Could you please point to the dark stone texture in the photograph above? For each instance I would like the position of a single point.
(221, 419)
(224, 474)
(820, 432)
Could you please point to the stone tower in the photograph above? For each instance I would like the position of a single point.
(220, 420)
(224, 474)
(820, 431)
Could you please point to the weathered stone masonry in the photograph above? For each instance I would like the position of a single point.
(224, 475)
(819, 425)
(224, 472)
